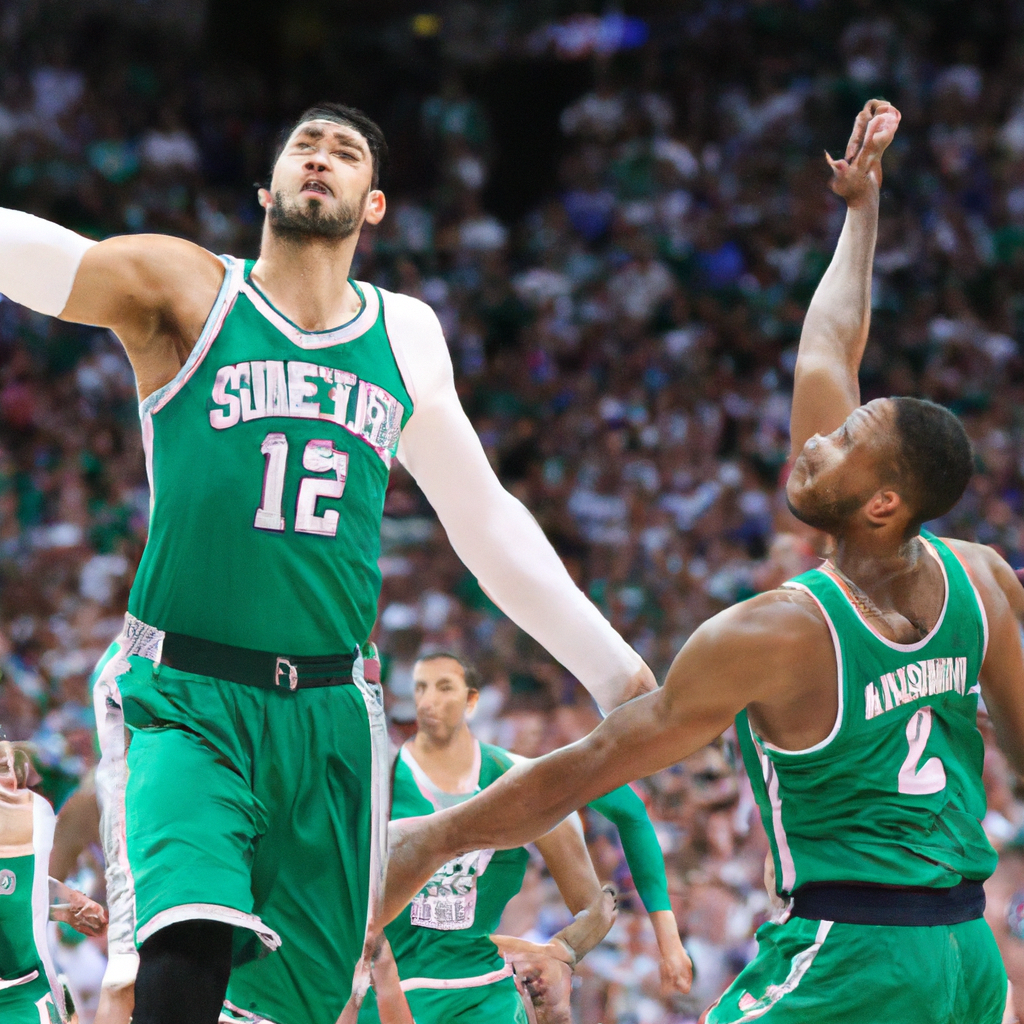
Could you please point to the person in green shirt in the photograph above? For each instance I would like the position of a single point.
(453, 968)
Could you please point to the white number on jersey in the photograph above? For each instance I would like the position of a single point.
(931, 777)
(318, 457)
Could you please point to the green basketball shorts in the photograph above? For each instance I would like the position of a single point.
(265, 809)
(31, 1003)
(812, 972)
(498, 1003)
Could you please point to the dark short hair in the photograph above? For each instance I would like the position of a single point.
(351, 117)
(469, 671)
(934, 457)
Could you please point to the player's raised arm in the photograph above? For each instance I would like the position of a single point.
(153, 291)
(835, 330)
(490, 530)
(709, 682)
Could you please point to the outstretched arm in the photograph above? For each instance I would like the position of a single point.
(153, 291)
(490, 530)
(708, 683)
(835, 331)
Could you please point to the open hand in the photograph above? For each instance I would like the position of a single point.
(858, 176)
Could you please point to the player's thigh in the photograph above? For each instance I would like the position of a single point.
(806, 972)
(191, 823)
(981, 996)
(320, 781)
(499, 1003)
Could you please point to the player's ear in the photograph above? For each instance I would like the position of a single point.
(265, 199)
(376, 206)
(884, 506)
(471, 701)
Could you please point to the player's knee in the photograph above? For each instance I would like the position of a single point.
(183, 974)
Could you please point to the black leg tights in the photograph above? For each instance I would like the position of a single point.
(183, 974)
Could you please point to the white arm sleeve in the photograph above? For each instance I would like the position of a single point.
(492, 532)
(38, 261)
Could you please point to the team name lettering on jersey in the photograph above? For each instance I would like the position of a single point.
(911, 682)
(264, 388)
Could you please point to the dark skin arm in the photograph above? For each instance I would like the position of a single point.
(708, 683)
(1002, 674)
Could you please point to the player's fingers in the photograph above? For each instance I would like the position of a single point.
(857, 136)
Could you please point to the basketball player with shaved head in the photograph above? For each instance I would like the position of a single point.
(275, 395)
(854, 689)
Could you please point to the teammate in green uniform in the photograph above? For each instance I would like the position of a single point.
(275, 396)
(854, 690)
(30, 991)
(451, 970)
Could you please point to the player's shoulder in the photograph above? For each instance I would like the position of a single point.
(788, 613)
(990, 573)
(405, 311)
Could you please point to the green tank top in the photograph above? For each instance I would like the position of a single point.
(893, 796)
(25, 907)
(443, 933)
(268, 458)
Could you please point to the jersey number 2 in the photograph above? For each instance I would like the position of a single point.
(931, 776)
(318, 457)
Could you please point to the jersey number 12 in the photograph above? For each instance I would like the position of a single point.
(318, 457)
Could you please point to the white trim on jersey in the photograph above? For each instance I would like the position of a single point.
(837, 725)
(836, 581)
(355, 328)
(380, 813)
(477, 981)
(210, 912)
(771, 781)
(43, 823)
(799, 966)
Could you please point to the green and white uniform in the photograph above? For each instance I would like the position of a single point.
(451, 971)
(29, 990)
(259, 803)
(892, 797)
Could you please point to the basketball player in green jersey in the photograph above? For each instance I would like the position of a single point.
(451, 971)
(30, 992)
(275, 395)
(854, 689)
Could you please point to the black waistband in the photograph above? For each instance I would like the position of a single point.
(264, 669)
(847, 903)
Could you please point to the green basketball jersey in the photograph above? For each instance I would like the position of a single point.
(268, 458)
(25, 907)
(444, 932)
(893, 796)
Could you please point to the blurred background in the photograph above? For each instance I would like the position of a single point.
(619, 213)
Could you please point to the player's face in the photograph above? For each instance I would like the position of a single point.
(321, 186)
(443, 700)
(836, 474)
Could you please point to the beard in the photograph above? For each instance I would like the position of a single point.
(298, 221)
(826, 514)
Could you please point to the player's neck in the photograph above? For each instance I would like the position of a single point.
(308, 281)
(880, 568)
(448, 765)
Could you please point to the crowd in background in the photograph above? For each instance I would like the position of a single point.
(625, 351)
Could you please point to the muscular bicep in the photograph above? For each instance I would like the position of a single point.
(142, 286)
(566, 856)
(1002, 673)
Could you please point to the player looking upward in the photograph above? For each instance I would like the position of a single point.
(855, 692)
(30, 991)
(274, 396)
(451, 970)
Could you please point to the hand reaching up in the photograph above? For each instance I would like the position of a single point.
(858, 176)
